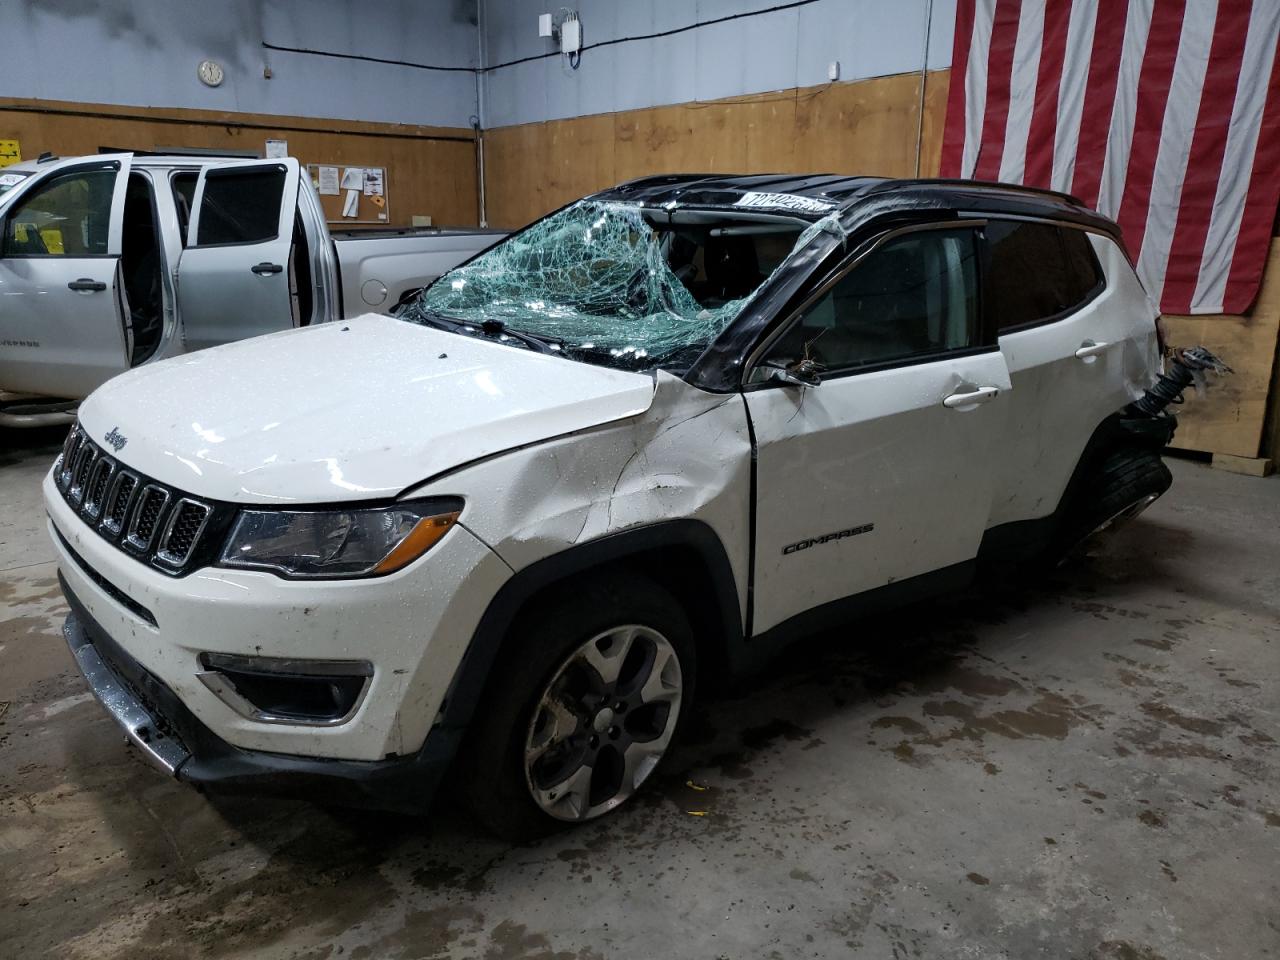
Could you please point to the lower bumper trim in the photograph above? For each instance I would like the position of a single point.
(175, 741)
(162, 751)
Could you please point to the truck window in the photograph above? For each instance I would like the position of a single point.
(184, 197)
(240, 206)
(68, 216)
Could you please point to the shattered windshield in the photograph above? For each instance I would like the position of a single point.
(615, 283)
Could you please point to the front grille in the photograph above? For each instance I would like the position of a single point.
(155, 523)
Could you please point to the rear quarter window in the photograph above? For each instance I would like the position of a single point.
(1037, 272)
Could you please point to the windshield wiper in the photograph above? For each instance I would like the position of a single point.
(489, 328)
(496, 328)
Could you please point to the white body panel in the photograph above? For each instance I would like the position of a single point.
(1059, 398)
(873, 448)
(264, 421)
(72, 342)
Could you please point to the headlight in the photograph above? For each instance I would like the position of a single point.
(338, 543)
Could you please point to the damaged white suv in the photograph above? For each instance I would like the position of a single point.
(630, 450)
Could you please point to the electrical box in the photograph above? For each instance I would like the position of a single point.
(571, 36)
(544, 25)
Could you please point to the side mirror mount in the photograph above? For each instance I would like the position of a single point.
(801, 373)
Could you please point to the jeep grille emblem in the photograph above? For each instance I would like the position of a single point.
(116, 439)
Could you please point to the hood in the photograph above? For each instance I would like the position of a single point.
(353, 410)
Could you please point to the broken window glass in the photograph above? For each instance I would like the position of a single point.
(617, 283)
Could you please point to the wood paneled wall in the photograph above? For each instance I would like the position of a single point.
(863, 127)
(430, 170)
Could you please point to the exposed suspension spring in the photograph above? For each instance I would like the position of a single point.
(1184, 368)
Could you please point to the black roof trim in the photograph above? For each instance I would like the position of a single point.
(848, 193)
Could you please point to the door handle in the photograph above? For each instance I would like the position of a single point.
(264, 269)
(967, 401)
(85, 285)
(1091, 349)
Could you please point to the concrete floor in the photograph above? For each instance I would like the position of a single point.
(1088, 769)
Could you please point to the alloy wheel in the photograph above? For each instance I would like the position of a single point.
(603, 722)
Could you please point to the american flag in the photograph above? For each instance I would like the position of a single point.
(1162, 114)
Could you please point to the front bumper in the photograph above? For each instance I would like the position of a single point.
(413, 627)
(175, 741)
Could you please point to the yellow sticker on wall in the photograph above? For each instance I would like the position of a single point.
(10, 152)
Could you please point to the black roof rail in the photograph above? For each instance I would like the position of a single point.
(990, 184)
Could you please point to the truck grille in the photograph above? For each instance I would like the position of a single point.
(149, 520)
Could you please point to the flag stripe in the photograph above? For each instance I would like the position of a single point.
(1004, 38)
(1115, 165)
(1040, 137)
(1152, 98)
(1259, 208)
(1075, 79)
(1100, 92)
(1182, 106)
(975, 85)
(1204, 162)
(953, 131)
(1242, 142)
(1022, 96)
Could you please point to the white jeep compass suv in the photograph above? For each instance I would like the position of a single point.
(633, 448)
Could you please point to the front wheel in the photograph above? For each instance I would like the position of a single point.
(588, 696)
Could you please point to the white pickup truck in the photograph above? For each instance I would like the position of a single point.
(108, 262)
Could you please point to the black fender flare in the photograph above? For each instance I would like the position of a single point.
(691, 536)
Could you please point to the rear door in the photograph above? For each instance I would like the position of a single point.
(235, 276)
(884, 470)
(62, 323)
(1067, 336)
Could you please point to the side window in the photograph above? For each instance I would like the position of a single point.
(1036, 271)
(69, 216)
(912, 296)
(240, 206)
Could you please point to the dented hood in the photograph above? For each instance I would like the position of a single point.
(354, 410)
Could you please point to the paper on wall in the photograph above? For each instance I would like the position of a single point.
(277, 149)
(352, 178)
(373, 182)
(351, 205)
(328, 186)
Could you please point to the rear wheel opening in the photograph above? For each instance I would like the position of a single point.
(1123, 484)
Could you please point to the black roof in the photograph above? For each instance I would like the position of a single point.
(847, 193)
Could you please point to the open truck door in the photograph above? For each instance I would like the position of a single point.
(237, 277)
(63, 325)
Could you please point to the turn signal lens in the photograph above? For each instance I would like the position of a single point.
(420, 539)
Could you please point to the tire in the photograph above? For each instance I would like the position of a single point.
(1122, 484)
(550, 715)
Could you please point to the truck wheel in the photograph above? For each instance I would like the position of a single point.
(587, 697)
(1124, 483)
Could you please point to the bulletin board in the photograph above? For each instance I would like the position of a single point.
(371, 203)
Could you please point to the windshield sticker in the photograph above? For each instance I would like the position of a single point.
(786, 201)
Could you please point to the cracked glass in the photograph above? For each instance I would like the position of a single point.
(617, 283)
